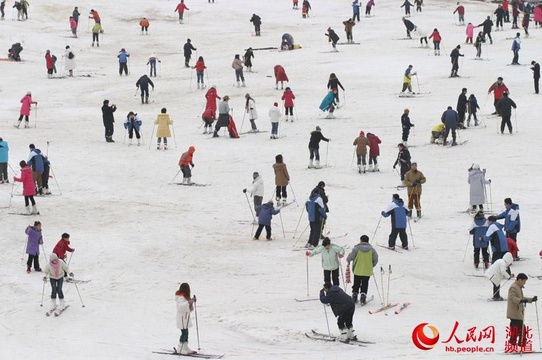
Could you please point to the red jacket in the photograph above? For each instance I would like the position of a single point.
(181, 7)
(436, 36)
(460, 10)
(280, 74)
(288, 98)
(211, 97)
(200, 66)
(48, 61)
(512, 247)
(61, 247)
(209, 114)
(505, 5)
(497, 90)
(95, 16)
(374, 147)
(186, 158)
(29, 189)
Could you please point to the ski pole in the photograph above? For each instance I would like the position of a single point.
(56, 181)
(389, 278)
(499, 286)
(327, 321)
(171, 182)
(282, 224)
(410, 228)
(490, 199)
(43, 291)
(70, 259)
(11, 195)
(174, 137)
(44, 253)
(150, 140)
(307, 275)
(327, 148)
(242, 122)
(298, 222)
(466, 248)
(137, 89)
(353, 156)
(418, 83)
(36, 117)
(196, 316)
(300, 236)
(538, 324)
(376, 229)
(252, 212)
(293, 193)
(382, 284)
(377, 289)
(78, 293)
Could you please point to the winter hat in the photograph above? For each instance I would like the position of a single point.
(188, 40)
(106, 102)
(65, 236)
(275, 104)
(318, 128)
(364, 238)
(255, 174)
(395, 196)
(475, 166)
(321, 184)
(361, 133)
(53, 257)
(28, 93)
(67, 46)
(123, 49)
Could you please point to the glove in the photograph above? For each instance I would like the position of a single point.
(523, 301)
(244, 191)
(489, 181)
(71, 274)
(394, 167)
(535, 298)
(192, 165)
(45, 279)
(308, 253)
(341, 256)
(383, 213)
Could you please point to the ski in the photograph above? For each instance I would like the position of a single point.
(539, 277)
(347, 43)
(307, 299)
(383, 308)
(50, 312)
(417, 219)
(281, 206)
(70, 280)
(320, 167)
(386, 247)
(192, 184)
(196, 355)
(316, 333)
(23, 214)
(403, 307)
(253, 132)
(333, 339)
(59, 312)
(474, 275)
(367, 301)
(457, 144)
(496, 300)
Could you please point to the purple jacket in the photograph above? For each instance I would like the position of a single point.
(34, 240)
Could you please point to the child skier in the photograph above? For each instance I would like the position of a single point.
(133, 123)
(288, 97)
(55, 270)
(35, 239)
(250, 108)
(63, 246)
(472, 107)
(29, 188)
(186, 163)
(274, 117)
(26, 102)
(200, 68)
(264, 219)
(478, 230)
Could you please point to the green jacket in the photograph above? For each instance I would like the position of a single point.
(330, 259)
(365, 259)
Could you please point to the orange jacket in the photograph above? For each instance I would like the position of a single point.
(144, 22)
(186, 158)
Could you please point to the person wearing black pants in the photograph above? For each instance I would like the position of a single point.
(108, 120)
(536, 75)
(316, 211)
(257, 21)
(343, 307)
(515, 310)
(504, 107)
(403, 160)
(143, 85)
(331, 253)
(398, 212)
(462, 108)
(364, 258)
(406, 125)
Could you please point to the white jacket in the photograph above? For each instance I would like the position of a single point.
(274, 114)
(251, 110)
(497, 272)
(257, 187)
(183, 313)
(69, 64)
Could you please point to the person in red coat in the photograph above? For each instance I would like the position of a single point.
(436, 40)
(94, 15)
(374, 151)
(498, 88)
(211, 96)
(29, 189)
(49, 63)
(186, 163)
(62, 246)
(208, 118)
(181, 8)
(280, 75)
(288, 97)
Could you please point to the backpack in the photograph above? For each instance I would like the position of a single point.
(70, 55)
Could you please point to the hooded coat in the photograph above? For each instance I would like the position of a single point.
(29, 188)
(497, 272)
(373, 145)
(280, 74)
(163, 121)
(26, 102)
(477, 181)
(364, 258)
(281, 174)
(478, 230)
(340, 301)
(266, 213)
(34, 240)
(183, 312)
(186, 157)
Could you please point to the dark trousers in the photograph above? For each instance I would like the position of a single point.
(25, 118)
(488, 34)
(95, 38)
(257, 203)
(446, 132)
(56, 288)
(29, 198)
(406, 132)
(314, 236)
(332, 274)
(461, 114)
(536, 81)
(187, 61)
(499, 21)
(404, 170)
(274, 128)
(361, 284)
(506, 121)
(35, 259)
(345, 319)
(131, 133)
(422, 39)
(402, 235)
(153, 68)
(515, 59)
(123, 67)
(239, 75)
(267, 231)
(144, 28)
(349, 36)
(514, 22)
(108, 129)
(373, 159)
(4, 171)
(513, 236)
(281, 192)
(356, 16)
(485, 255)
(362, 160)
(184, 336)
(517, 331)
(257, 29)
(289, 109)
(314, 153)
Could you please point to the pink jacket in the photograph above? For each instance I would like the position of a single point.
(470, 30)
(537, 14)
(26, 101)
(29, 188)
(73, 23)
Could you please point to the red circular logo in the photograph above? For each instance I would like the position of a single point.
(422, 341)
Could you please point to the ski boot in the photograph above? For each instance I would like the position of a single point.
(311, 164)
(355, 297)
(317, 164)
(363, 298)
(344, 335)
(351, 334)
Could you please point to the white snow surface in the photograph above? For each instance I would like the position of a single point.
(137, 237)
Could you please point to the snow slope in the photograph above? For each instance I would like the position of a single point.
(138, 237)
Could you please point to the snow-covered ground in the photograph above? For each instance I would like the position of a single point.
(138, 238)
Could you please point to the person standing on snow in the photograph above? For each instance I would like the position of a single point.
(398, 221)
(499, 271)
(515, 311)
(403, 160)
(29, 188)
(450, 119)
(469, 31)
(282, 178)
(333, 84)
(237, 65)
(361, 143)
(477, 181)
(185, 305)
(504, 108)
(462, 103)
(487, 25)
(256, 191)
(314, 147)
(495, 236)
(364, 258)
(266, 212)
(73, 26)
(454, 58)
(355, 10)
(480, 39)
(317, 214)
(460, 10)
(49, 64)
(512, 221)
(108, 120)
(368, 7)
(133, 123)
(257, 21)
(333, 38)
(331, 253)
(274, 117)
(200, 68)
(4, 157)
(536, 74)
(406, 125)
(498, 88)
(409, 27)
(55, 270)
(35, 239)
(407, 80)
(472, 107)
(250, 108)
(35, 161)
(500, 15)
(144, 23)
(63, 246)
(343, 307)
(414, 180)
(419, 4)
(162, 132)
(374, 151)
(223, 115)
(143, 85)
(210, 97)
(186, 163)
(435, 35)
(152, 62)
(181, 7)
(280, 76)
(187, 49)
(478, 230)
(96, 31)
(348, 25)
(76, 14)
(516, 46)
(525, 22)
(407, 6)
(26, 102)
(123, 61)
(247, 58)
(288, 97)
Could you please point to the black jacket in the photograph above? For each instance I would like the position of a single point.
(536, 71)
(256, 20)
(461, 102)
(405, 122)
(333, 36)
(403, 158)
(144, 82)
(188, 49)
(504, 106)
(334, 84)
(107, 113)
(316, 137)
(340, 301)
(487, 25)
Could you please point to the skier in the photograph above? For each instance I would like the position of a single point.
(123, 61)
(495, 236)
(133, 123)
(108, 120)
(497, 272)
(315, 208)
(436, 133)
(516, 46)
(469, 31)
(333, 84)
(472, 107)
(256, 191)
(504, 107)
(250, 108)
(407, 80)
(96, 31)
(361, 143)
(409, 25)
(266, 212)
(95, 16)
(29, 189)
(181, 7)
(320, 190)
(480, 39)
(4, 157)
(69, 62)
(333, 38)
(305, 8)
(187, 48)
(314, 147)
(364, 258)
(423, 36)
(462, 103)
(210, 97)
(436, 41)
(49, 64)
(280, 75)
(257, 21)
(506, 9)
(512, 221)
(477, 181)
(282, 178)
(478, 230)
(454, 55)
(515, 311)
(144, 23)
(329, 104)
(403, 159)
(55, 270)
(162, 132)
(348, 25)
(487, 24)
(237, 65)
(343, 307)
(406, 125)
(19, 7)
(143, 85)
(500, 16)
(76, 14)
(419, 4)
(200, 68)
(288, 97)
(2, 11)
(35, 161)
(274, 117)
(223, 115)
(35, 239)
(186, 163)
(398, 221)
(45, 176)
(26, 102)
(208, 118)
(368, 7)
(374, 151)
(498, 88)
(460, 10)
(331, 253)
(537, 16)
(515, 14)
(73, 26)
(407, 6)
(152, 62)
(185, 305)
(536, 75)
(414, 180)
(525, 22)
(247, 58)
(449, 118)
(63, 246)
(355, 10)
(295, 4)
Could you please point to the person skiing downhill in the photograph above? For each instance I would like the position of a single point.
(143, 85)
(361, 143)
(266, 212)
(398, 221)
(35, 239)
(364, 258)
(133, 123)
(331, 253)
(162, 132)
(123, 61)
(187, 49)
(477, 185)
(26, 102)
(55, 270)
(256, 191)
(343, 307)
(406, 125)
(478, 230)
(186, 163)
(181, 7)
(257, 22)
(374, 151)
(403, 160)
(185, 305)
(288, 97)
(250, 108)
(314, 147)
(333, 38)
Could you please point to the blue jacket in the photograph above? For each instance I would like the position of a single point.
(495, 236)
(134, 123)
(512, 222)
(315, 208)
(35, 160)
(398, 213)
(355, 7)
(4, 151)
(339, 300)
(266, 213)
(450, 118)
(123, 57)
(478, 230)
(329, 100)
